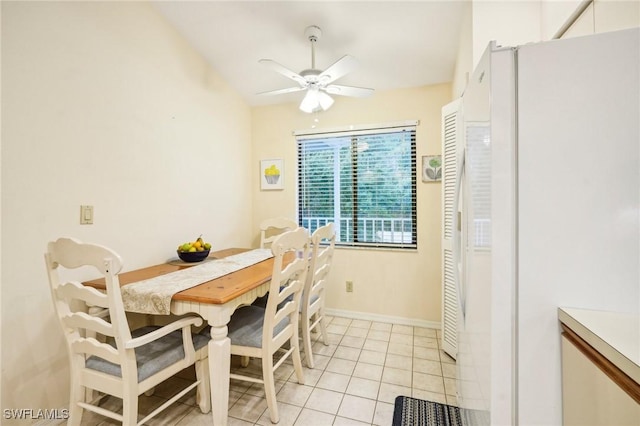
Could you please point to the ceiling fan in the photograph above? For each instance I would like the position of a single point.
(317, 83)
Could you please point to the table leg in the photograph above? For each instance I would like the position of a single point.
(219, 369)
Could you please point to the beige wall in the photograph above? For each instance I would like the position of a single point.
(404, 285)
(555, 15)
(509, 23)
(104, 104)
(464, 56)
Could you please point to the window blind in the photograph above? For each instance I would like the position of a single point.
(364, 181)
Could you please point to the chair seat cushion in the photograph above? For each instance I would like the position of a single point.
(245, 327)
(152, 357)
(311, 302)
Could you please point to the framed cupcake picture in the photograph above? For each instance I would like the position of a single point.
(272, 174)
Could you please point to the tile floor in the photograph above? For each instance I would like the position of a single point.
(355, 381)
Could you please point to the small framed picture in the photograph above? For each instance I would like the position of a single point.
(431, 168)
(271, 174)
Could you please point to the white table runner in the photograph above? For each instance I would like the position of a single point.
(153, 296)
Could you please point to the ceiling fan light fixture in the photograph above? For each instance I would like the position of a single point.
(315, 101)
(310, 102)
(325, 100)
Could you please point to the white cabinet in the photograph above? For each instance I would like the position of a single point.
(614, 15)
(589, 396)
(599, 369)
(605, 15)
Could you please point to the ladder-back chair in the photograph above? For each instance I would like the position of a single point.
(128, 363)
(261, 332)
(271, 228)
(323, 242)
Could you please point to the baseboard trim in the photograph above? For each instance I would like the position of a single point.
(383, 318)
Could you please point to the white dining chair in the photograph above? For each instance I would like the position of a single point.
(323, 241)
(128, 363)
(262, 332)
(272, 227)
(269, 230)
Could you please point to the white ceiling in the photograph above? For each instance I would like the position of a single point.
(397, 44)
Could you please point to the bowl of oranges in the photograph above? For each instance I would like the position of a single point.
(194, 251)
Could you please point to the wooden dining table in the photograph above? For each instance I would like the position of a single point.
(215, 301)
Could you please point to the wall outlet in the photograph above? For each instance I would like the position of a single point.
(349, 286)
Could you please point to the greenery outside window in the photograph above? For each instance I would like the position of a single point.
(364, 181)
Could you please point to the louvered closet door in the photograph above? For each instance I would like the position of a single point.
(451, 131)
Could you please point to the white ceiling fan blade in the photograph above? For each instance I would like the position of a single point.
(339, 68)
(282, 91)
(358, 92)
(284, 71)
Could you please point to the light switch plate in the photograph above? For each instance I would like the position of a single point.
(86, 215)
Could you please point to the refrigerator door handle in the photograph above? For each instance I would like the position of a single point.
(457, 233)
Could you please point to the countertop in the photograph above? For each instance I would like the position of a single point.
(615, 335)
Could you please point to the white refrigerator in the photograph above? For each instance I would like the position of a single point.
(548, 167)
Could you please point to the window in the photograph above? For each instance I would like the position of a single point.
(364, 181)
